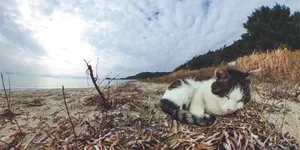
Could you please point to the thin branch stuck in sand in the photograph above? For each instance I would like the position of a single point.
(104, 101)
(6, 96)
(11, 115)
(63, 90)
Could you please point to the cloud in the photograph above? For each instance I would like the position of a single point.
(18, 48)
(127, 36)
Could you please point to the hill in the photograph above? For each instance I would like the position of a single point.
(147, 75)
(267, 29)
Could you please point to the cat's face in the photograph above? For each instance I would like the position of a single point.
(233, 85)
(229, 103)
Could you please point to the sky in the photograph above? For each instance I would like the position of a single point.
(53, 37)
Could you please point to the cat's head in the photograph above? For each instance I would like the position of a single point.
(233, 84)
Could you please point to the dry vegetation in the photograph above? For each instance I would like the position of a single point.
(280, 65)
(136, 122)
(279, 77)
(201, 73)
(280, 74)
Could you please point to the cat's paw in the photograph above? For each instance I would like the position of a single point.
(209, 119)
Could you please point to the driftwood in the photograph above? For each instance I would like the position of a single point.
(105, 102)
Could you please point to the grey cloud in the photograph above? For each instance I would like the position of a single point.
(48, 7)
(17, 45)
(17, 36)
(136, 35)
(11, 61)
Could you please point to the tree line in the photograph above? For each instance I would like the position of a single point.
(266, 29)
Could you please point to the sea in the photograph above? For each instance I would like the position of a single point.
(28, 82)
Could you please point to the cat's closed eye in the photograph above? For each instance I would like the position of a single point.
(226, 96)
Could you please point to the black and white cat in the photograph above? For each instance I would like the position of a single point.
(227, 91)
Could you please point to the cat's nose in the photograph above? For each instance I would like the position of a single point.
(229, 110)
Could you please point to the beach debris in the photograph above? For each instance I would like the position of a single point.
(35, 102)
(147, 128)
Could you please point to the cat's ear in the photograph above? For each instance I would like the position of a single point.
(221, 74)
(222, 82)
(253, 72)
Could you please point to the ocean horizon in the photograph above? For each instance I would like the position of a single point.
(27, 82)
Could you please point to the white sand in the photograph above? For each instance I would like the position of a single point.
(284, 116)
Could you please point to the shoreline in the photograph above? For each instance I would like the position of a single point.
(58, 88)
(20, 83)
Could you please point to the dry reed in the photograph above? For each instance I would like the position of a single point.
(277, 65)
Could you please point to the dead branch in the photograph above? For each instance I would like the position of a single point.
(105, 103)
(63, 90)
(11, 114)
(7, 99)
(5, 143)
(17, 124)
(9, 145)
(25, 147)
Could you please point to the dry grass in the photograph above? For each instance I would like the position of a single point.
(278, 65)
(136, 122)
(200, 74)
(280, 75)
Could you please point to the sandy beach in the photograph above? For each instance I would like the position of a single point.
(35, 108)
(42, 116)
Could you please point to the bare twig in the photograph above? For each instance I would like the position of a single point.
(110, 81)
(104, 100)
(87, 78)
(104, 79)
(5, 143)
(32, 138)
(5, 92)
(17, 124)
(11, 114)
(282, 123)
(9, 94)
(56, 112)
(263, 106)
(97, 68)
(63, 90)
(9, 145)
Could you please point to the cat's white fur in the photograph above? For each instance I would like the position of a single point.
(201, 98)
